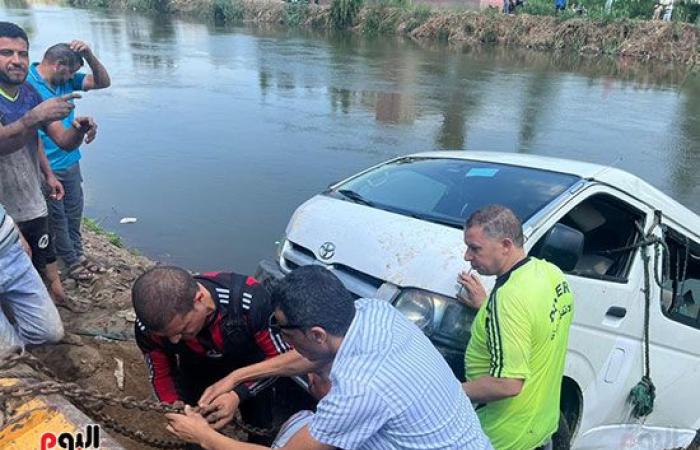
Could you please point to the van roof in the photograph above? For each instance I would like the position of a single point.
(619, 179)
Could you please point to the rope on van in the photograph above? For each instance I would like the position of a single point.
(643, 394)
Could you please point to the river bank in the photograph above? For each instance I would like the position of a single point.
(638, 39)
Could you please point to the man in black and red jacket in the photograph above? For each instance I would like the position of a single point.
(194, 330)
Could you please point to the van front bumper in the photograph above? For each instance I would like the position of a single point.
(268, 271)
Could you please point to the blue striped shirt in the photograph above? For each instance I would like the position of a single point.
(391, 389)
(8, 232)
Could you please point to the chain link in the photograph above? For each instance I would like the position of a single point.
(94, 401)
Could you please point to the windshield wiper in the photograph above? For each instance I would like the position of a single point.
(438, 220)
(355, 197)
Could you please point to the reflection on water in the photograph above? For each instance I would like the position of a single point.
(212, 136)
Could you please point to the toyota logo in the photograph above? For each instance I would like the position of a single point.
(327, 250)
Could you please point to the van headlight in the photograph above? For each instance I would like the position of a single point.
(418, 307)
(441, 318)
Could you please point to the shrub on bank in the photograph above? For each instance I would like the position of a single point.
(344, 13)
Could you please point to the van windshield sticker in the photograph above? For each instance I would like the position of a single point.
(482, 172)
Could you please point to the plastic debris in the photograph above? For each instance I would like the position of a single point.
(119, 373)
(128, 220)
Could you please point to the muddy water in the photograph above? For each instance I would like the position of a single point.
(211, 137)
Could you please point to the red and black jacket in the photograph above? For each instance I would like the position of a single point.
(237, 335)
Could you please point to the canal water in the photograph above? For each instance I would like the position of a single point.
(212, 136)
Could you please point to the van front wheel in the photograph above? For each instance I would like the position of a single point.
(561, 440)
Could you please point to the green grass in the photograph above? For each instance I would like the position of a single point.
(296, 13)
(344, 13)
(228, 11)
(95, 227)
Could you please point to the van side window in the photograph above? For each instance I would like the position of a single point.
(680, 296)
(608, 225)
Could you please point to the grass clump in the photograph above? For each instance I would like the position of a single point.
(227, 11)
(93, 226)
(296, 13)
(344, 13)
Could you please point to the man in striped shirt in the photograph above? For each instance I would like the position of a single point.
(23, 294)
(390, 388)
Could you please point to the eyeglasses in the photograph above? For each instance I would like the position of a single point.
(276, 327)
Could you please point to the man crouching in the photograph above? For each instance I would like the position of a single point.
(194, 330)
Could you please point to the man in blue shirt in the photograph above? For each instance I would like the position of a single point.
(389, 387)
(57, 75)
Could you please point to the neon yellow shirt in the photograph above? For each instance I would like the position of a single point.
(522, 332)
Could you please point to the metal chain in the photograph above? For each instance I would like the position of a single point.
(93, 401)
(136, 435)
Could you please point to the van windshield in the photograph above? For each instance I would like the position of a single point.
(447, 191)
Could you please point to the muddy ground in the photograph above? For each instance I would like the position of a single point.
(99, 339)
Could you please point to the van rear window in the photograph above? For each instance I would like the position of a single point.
(447, 191)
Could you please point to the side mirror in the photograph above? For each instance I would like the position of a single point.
(562, 246)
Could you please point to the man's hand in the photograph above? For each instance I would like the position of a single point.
(81, 48)
(473, 293)
(87, 126)
(53, 109)
(56, 188)
(190, 427)
(217, 389)
(221, 410)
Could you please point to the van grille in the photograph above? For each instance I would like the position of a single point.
(360, 284)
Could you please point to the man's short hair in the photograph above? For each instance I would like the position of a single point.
(498, 222)
(312, 296)
(161, 293)
(62, 54)
(13, 31)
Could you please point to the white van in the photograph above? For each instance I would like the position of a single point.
(394, 232)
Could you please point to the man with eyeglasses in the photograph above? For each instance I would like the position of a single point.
(194, 330)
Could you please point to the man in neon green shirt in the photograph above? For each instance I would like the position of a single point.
(515, 357)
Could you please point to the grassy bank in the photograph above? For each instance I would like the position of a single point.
(595, 34)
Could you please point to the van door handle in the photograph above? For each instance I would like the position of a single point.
(616, 311)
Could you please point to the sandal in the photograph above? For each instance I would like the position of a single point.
(91, 265)
(78, 272)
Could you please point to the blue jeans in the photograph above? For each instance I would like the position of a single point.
(28, 314)
(65, 216)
